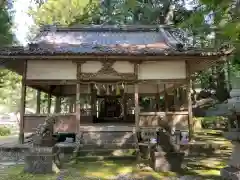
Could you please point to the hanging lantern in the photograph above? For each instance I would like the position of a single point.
(118, 91)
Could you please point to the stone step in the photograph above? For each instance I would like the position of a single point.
(107, 152)
(69, 147)
(107, 137)
(99, 158)
(109, 146)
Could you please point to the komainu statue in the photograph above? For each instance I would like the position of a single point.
(44, 132)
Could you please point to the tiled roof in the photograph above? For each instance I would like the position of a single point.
(124, 40)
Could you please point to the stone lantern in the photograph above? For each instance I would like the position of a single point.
(161, 149)
(232, 171)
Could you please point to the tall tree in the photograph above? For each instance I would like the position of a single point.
(9, 80)
(66, 12)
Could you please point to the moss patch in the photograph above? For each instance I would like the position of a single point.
(5, 131)
(100, 169)
(206, 167)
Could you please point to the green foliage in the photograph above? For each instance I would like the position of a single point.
(225, 21)
(4, 131)
(212, 121)
(5, 28)
(9, 81)
(66, 12)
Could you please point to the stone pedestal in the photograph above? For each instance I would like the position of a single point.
(164, 155)
(164, 162)
(40, 160)
(232, 171)
(46, 141)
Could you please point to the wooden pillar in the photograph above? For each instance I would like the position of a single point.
(175, 100)
(22, 104)
(78, 105)
(165, 98)
(136, 99)
(71, 101)
(125, 110)
(157, 97)
(49, 102)
(136, 103)
(58, 105)
(38, 102)
(93, 102)
(189, 98)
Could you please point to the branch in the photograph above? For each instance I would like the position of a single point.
(2, 3)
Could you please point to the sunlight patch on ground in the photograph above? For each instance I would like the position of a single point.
(206, 167)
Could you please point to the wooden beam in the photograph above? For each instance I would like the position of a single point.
(30, 82)
(189, 98)
(35, 82)
(121, 57)
(23, 104)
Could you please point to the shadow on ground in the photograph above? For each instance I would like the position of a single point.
(206, 167)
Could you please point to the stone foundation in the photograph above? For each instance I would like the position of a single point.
(230, 173)
(164, 162)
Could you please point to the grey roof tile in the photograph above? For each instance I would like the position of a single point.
(126, 40)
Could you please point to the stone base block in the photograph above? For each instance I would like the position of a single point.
(40, 161)
(171, 161)
(230, 173)
(235, 157)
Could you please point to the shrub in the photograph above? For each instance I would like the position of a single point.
(4, 131)
(212, 122)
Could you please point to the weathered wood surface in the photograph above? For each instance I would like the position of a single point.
(177, 120)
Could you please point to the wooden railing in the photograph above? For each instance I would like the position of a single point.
(178, 120)
(67, 122)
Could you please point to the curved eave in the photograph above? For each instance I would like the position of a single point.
(110, 55)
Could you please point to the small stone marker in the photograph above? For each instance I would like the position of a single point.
(40, 160)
